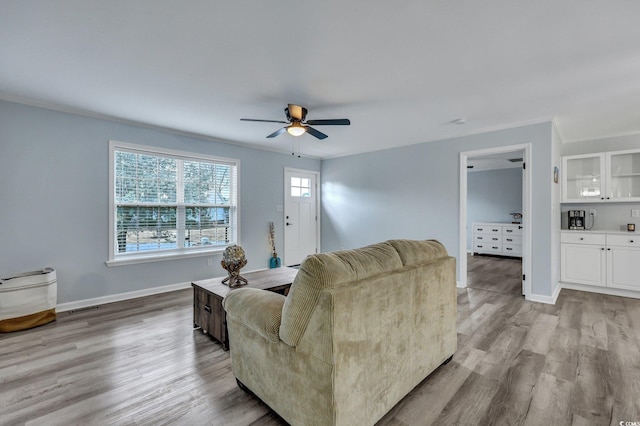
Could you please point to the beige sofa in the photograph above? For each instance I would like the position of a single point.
(358, 331)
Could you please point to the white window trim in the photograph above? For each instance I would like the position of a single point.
(164, 254)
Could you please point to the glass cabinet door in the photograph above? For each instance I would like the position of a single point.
(583, 178)
(623, 175)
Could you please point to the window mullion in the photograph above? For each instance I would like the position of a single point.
(180, 213)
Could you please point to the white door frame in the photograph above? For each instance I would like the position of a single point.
(318, 207)
(526, 212)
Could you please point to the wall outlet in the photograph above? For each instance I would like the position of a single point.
(592, 212)
(210, 262)
(635, 212)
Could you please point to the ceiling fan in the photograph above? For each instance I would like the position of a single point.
(297, 126)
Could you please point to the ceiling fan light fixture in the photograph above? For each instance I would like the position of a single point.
(295, 129)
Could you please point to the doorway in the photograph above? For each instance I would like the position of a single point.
(301, 222)
(514, 276)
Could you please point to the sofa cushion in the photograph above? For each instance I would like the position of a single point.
(415, 253)
(259, 310)
(328, 270)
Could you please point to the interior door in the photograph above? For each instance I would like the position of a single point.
(300, 215)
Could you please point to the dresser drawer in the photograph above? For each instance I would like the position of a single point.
(488, 247)
(487, 238)
(631, 240)
(511, 239)
(487, 229)
(512, 230)
(582, 238)
(509, 249)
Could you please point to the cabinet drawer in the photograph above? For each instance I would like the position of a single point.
(512, 230)
(511, 240)
(631, 240)
(487, 229)
(582, 238)
(487, 238)
(488, 247)
(512, 249)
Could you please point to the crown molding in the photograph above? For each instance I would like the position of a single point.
(479, 131)
(555, 122)
(101, 116)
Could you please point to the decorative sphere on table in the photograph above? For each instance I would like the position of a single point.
(233, 259)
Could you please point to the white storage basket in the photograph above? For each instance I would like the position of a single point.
(28, 300)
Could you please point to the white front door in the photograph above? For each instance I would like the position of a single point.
(300, 215)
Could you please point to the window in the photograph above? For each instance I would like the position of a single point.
(169, 204)
(300, 187)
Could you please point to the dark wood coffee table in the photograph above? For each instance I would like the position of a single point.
(208, 313)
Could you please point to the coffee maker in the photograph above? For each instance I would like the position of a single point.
(576, 219)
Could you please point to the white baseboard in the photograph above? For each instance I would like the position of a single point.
(550, 300)
(79, 304)
(602, 290)
(460, 285)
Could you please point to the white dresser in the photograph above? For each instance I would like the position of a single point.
(504, 239)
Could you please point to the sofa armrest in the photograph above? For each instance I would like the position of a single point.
(258, 310)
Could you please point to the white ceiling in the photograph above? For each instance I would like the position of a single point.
(401, 71)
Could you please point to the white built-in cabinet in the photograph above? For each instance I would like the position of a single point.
(600, 259)
(601, 177)
(502, 239)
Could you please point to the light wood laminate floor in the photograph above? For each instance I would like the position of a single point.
(140, 363)
(495, 273)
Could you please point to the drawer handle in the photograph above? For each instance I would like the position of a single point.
(630, 241)
(494, 230)
(495, 239)
(581, 238)
(495, 248)
(509, 248)
(480, 246)
(207, 308)
(509, 230)
(509, 239)
(479, 238)
(480, 229)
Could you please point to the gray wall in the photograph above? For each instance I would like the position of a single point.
(491, 196)
(556, 196)
(54, 195)
(413, 192)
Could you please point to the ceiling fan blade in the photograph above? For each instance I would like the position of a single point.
(277, 132)
(334, 122)
(314, 132)
(264, 121)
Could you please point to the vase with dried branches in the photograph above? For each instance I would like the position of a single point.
(274, 262)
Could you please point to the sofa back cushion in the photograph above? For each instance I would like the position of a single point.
(415, 253)
(328, 270)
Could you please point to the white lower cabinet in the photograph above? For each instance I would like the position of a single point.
(623, 262)
(599, 259)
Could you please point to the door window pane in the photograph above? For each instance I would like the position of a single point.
(300, 187)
